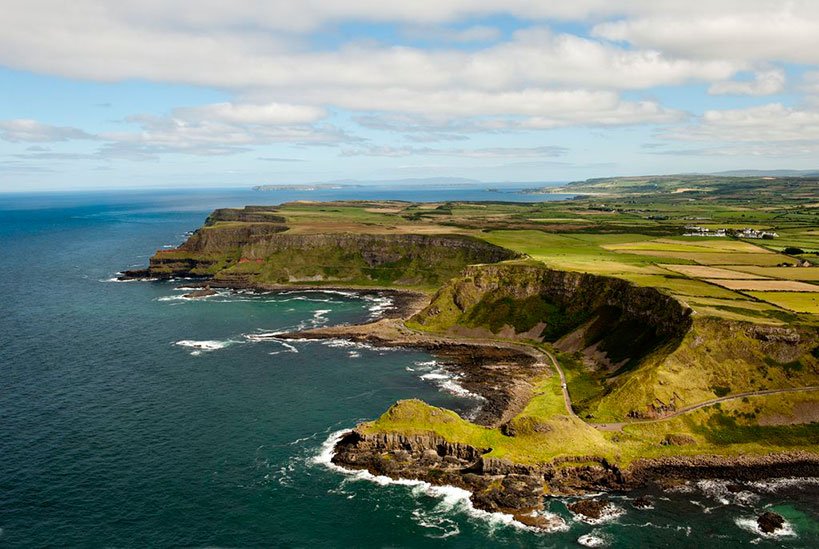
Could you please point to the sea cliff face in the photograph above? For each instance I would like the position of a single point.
(566, 298)
(264, 254)
(498, 485)
(635, 353)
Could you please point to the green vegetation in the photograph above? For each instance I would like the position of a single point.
(605, 281)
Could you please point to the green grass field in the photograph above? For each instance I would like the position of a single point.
(630, 229)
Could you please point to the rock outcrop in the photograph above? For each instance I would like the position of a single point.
(518, 489)
(263, 254)
(769, 522)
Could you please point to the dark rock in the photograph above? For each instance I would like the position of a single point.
(770, 522)
(642, 502)
(591, 508)
(202, 292)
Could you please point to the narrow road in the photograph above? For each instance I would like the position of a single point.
(619, 426)
(567, 398)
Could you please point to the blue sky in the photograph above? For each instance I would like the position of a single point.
(96, 94)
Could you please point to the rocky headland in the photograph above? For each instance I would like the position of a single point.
(496, 320)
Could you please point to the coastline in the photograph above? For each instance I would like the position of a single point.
(495, 485)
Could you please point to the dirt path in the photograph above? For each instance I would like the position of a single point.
(398, 333)
(619, 425)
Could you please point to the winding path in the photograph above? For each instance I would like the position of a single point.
(619, 426)
(397, 326)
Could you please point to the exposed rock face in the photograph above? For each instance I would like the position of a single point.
(222, 239)
(248, 214)
(591, 508)
(433, 459)
(498, 485)
(202, 292)
(262, 253)
(579, 295)
(770, 522)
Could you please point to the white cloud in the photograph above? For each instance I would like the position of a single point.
(214, 129)
(771, 123)
(764, 83)
(36, 132)
(274, 114)
(759, 30)
(547, 151)
(477, 33)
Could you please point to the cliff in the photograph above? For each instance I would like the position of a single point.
(255, 253)
(498, 485)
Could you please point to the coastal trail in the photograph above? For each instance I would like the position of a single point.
(618, 426)
(396, 332)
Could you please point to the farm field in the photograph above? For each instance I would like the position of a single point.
(792, 301)
(639, 238)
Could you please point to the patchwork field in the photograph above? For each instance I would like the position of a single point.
(699, 271)
(793, 301)
(786, 273)
(639, 366)
(639, 239)
(766, 285)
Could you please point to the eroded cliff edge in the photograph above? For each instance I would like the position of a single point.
(631, 355)
(264, 254)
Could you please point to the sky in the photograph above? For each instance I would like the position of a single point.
(172, 93)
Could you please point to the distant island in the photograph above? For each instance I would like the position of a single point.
(609, 350)
(298, 187)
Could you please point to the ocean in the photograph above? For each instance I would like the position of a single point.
(131, 417)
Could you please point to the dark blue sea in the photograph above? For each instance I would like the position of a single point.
(130, 417)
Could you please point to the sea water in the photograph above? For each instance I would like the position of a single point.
(131, 416)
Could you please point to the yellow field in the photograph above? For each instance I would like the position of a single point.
(793, 301)
(700, 271)
(766, 285)
(788, 273)
(713, 258)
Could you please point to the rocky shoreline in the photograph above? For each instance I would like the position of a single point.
(518, 490)
(500, 373)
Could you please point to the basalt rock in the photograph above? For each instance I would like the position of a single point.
(519, 489)
(770, 522)
(261, 252)
(591, 508)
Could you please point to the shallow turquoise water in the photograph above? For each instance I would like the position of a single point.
(131, 417)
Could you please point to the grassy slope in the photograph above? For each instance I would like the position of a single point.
(630, 238)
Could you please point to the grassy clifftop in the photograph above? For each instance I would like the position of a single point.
(646, 324)
(264, 254)
(628, 352)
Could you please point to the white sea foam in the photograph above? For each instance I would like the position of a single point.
(777, 484)
(271, 337)
(205, 346)
(453, 499)
(379, 305)
(750, 524)
(594, 538)
(718, 491)
(350, 345)
(609, 513)
(173, 298)
(117, 279)
(443, 379)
